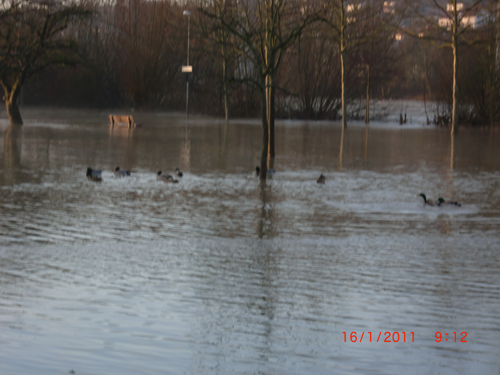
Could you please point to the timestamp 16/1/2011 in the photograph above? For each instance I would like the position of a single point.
(388, 336)
(401, 336)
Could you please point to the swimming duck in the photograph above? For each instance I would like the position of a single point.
(441, 201)
(178, 173)
(165, 178)
(93, 175)
(321, 179)
(427, 202)
(121, 173)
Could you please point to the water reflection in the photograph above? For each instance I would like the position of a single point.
(185, 155)
(121, 131)
(366, 142)
(223, 147)
(341, 152)
(265, 224)
(12, 145)
(452, 150)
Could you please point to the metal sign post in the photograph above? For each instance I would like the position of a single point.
(187, 68)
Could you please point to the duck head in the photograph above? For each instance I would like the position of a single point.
(424, 197)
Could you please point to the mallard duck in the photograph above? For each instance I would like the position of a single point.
(178, 173)
(121, 173)
(441, 202)
(93, 175)
(165, 178)
(427, 202)
(321, 179)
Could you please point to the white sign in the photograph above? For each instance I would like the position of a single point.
(187, 69)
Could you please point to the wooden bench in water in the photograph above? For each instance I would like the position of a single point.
(123, 120)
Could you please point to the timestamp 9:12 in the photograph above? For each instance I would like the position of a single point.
(439, 337)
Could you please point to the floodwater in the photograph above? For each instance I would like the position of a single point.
(220, 274)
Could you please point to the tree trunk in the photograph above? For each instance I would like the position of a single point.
(270, 91)
(367, 114)
(366, 142)
(342, 78)
(452, 151)
(265, 136)
(497, 61)
(226, 104)
(225, 87)
(454, 119)
(13, 113)
(344, 114)
(496, 70)
(342, 63)
(341, 153)
(426, 81)
(10, 97)
(492, 103)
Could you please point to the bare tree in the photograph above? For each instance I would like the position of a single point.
(264, 30)
(32, 37)
(450, 21)
(316, 73)
(148, 44)
(214, 31)
(379, 53)
(341, 16)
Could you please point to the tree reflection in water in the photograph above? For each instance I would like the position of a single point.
(12, 146)
(265, 226)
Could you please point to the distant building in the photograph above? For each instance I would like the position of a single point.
(389, 7)
(472, 19)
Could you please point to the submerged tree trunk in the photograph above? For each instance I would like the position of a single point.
(12, 146)
(270, 91)
(341, 152)
(452, 151)
(265, 137)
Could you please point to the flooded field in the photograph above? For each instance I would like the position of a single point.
(220, 274)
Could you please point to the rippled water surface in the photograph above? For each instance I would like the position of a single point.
(220, 274)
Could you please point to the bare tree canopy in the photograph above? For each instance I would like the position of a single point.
(448, 23)
(264, 30)
(32, 37)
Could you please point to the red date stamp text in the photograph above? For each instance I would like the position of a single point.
(379, 336)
